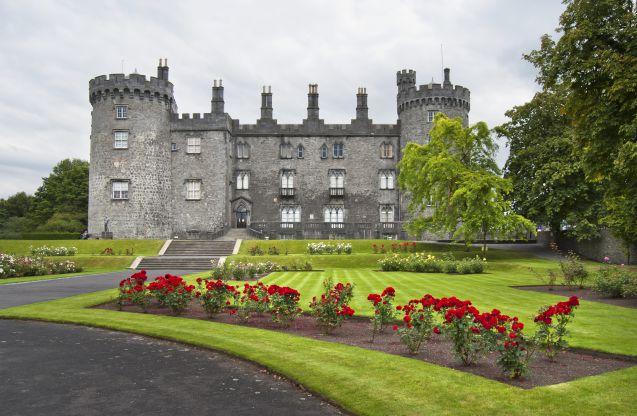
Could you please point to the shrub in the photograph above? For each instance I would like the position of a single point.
(418, 322)
(214, 295)
(383, 309)
(573, 270)
(172, 291)
(21, 266)
(331, 309)
(255, 251)
(133, 290)
(615, 281)
(427, 263)
(254, 299)
(273, 251)
(329, 248)
(53, 251)
(552, 321)
(108, 251)
(284, 304)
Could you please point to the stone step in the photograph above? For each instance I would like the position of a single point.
(182, 263)
(199, 248)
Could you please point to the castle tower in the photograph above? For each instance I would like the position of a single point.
(418, 106)
(130, 173)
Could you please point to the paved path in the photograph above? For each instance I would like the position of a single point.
(38, 291)
(52, 369)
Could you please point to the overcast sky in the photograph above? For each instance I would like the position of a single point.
(50, 49)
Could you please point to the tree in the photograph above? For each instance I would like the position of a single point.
(546, 169)
(594, 63)
(457, 175)
(64, 191)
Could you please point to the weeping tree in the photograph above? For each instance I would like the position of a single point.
(455, 185)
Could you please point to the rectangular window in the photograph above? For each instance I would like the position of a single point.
(387, 213)
(121, 139)
(287, 179)
(338, 150)
(291, 214)
(193, 190)
(333, 214)
(173, 147)
(387, 179)
(121, 112)
(431, 114)
(243, 180)
(120, 190)
(337, 179)
(243, 150)
(194, 145)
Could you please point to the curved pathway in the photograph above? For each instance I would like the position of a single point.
(56, 369)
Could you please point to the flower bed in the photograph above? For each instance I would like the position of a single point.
(53, 251)
(404, 247)
(252, 271)
(329, 248)
(428, 263)
(22, 266)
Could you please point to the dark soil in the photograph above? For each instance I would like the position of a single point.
(570, 365)
(586, 294)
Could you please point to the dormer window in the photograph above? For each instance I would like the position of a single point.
(386, 151)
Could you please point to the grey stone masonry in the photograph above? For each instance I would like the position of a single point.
(156, 173)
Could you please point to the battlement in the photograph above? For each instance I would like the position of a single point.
(321, 129)
(133, 85)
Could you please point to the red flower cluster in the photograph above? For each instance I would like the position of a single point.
(345, 311)
(561, 308)
(135, 282)
(169, 284)
(284, 291)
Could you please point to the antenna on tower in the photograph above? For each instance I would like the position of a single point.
(442, 62)
(122, 66)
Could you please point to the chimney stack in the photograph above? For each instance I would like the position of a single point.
(266, 103)
(217, 97)
(312, 102)
(446, 82)
(361, 104)
(162, 69)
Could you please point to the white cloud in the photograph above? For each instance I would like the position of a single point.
(50, 50)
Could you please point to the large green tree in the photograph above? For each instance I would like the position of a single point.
(546, 168)
(455, 185)
(594, 62)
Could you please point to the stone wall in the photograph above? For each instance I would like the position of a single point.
(598, 248)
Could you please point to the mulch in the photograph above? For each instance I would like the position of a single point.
(585, 294)
(570, 365)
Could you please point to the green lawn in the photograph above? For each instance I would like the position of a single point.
(374, 383)
(86, 247)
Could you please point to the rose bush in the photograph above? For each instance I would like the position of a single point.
(172, 291)
(284, 304)
(214, 295)
(383, 309)
(133, 290)
(551, 322)
(417, 322)
(331, 309)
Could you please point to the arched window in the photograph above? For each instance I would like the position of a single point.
(386, 151)
(386, 213)
(387, 179)
(300, 152)
(338, 150)
(324, 151)
(337, 178)
(333, 214)
(243, 150)
(243, 179)
(287, 179)
(291, 214)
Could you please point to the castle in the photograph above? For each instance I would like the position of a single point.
(157, 174)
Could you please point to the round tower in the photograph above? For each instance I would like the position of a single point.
(130, 165)
(418, 106)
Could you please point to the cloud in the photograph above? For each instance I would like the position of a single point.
(51, 49)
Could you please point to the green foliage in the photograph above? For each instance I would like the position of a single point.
(594, 63)
(573, 270)
(457, 175)
(615, 281)
(546, 169)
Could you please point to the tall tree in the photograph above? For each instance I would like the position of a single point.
(65, 191)
(457, 175)
(594, 62)
(546, 168)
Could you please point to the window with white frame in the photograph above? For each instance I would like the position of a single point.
(337, 178)
(243, 150)
(119, 190)
(333, 214)
(193, 189)
(120, 138)
(387, 213)
(386, 151)
(324, 151)
(387, 179)
(431, 114)
(243, 179)
(300, 152)
(285, 150)
(287, 179)
(193, 145)
(338, 150)
(291, 214)
(121, 112)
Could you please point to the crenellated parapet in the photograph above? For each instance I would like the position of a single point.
(320, 129)
(130, 86)
(432, 94)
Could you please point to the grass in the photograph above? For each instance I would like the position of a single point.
(373, 383)
(85, 247)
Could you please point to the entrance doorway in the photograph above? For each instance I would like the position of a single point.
(242, 217)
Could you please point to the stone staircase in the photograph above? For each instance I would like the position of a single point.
(189, 255)
(235, 234)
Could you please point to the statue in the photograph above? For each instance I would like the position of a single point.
(106, 221)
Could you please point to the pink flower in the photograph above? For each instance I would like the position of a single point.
(606, 259)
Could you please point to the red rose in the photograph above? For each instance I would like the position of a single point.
(407, 319)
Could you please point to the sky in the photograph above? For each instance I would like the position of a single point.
(49, 50)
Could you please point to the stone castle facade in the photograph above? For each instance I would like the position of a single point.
(157, 174)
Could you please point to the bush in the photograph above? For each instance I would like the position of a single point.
(573, 270)
(172, 291)
(328, 248)
(133, 290)
(214, 295)
(255, 251)
(19, 266)
(418, 322)
(383, 309)
(53, 251)
(615, 281)
(273, 251)
(284, 304)
(331, 309)
(427, 263)
(552, 321)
